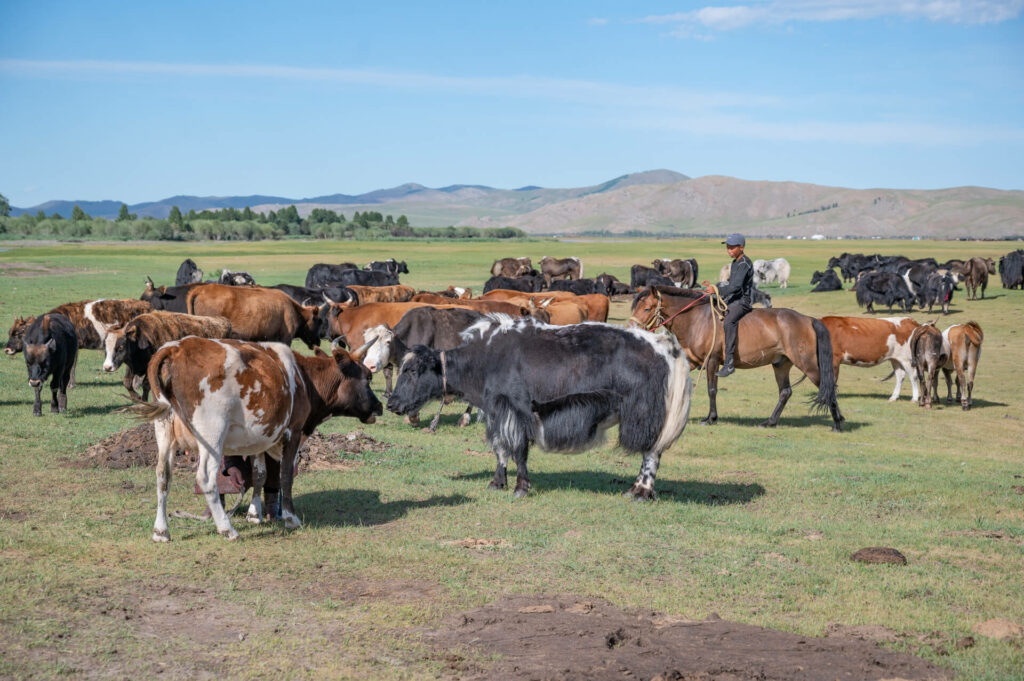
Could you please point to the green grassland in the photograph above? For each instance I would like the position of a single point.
(756, 525)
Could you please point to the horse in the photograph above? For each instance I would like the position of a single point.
(779, 336)
(555, 268)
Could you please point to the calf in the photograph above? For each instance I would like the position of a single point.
(51, 350)
(135, 343)
(962, 345)
(258, 314)
(867, 342)
(16, 336)
(229, 397)
(975, 273)
(926, 345)
(826, 281)
(558, 387)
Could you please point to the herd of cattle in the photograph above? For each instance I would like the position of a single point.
(216, 356)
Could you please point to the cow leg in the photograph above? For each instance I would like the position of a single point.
(712, 379)
(946, 373)
(961, 386)
(522, 474)
(500, 476)
(164, 458)
(781, 368)
(388, 375)
(437, 417)
(259, 478)
(643, 486)
(37, 406)
(211, 441)
(54, 403)
(291, 519)
(74, 365)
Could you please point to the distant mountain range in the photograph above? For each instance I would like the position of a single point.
(656, 201)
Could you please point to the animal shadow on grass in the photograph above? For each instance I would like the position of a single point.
(976, 403)
(685, 491)
(352, 507)
(823, 421)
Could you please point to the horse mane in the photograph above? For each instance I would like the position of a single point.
(694, 294)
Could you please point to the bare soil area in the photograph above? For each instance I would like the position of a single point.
(567, 638)
(28, 269)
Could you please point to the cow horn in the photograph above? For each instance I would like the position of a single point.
(359, 354)
(328, 298)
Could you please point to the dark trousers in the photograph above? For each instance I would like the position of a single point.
(736, 311)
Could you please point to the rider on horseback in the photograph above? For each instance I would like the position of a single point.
(736, 294)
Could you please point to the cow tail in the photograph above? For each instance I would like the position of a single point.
(827, 397)
(974, 333)
(162, 406)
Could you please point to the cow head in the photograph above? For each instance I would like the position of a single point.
(311, 329)
(16, 337)
(816, 277)
(353, 396)
(38, 361)
(419, 380)
(991, 265)
(383, 345)
(116, 348)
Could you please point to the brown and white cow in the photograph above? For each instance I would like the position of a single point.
(257, 314)
(867, 342)
(399, 293)
(962, 344)
(483, 306)
(135, 343)
(232, 397)
(511, 267)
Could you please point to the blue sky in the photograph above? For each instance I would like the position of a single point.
(137, 101)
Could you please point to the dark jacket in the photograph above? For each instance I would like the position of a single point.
(741, 281)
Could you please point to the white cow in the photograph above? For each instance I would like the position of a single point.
(766, 271)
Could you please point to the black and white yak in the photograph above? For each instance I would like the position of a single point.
(560, 387)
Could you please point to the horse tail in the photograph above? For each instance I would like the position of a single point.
(827, 397)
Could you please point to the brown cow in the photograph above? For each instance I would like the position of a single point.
(556, 268)
(962, 344)
(16, 336)
(563, 306)
(926, 344)
(257, 314)
(229, 397)
(867, 342)
(511, 267)
(482, 306)
(975, 273)
(398, 293)
(136, 342)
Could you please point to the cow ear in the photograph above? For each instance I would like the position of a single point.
(142, 341)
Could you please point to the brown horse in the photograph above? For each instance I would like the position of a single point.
(780, 337)
(555, 268)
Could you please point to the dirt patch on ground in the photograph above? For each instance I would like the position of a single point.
(534, 636)
(137, 447)
(29, 269)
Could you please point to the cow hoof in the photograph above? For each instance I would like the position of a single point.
(37, 413)
(464, 421)
(291, 522)
(637, 493)
(707, 422)
(254, 518)
(161, 536)
(836, 428)
(967, 407)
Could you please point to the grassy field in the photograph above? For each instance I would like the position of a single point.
(756, 525)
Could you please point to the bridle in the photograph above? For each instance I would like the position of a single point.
(653, 322)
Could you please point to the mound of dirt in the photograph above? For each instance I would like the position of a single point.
(566, 638)
(137, 447)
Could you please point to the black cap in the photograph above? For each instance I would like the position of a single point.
(735, 239)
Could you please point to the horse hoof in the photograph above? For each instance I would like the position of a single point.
(707, 422)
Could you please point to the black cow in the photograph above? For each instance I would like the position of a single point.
(612, 284)
(316, 296)
(1011, 269)
(321, 275)
(937, 290)
(641, 276)
(559, 387)
(826, 281)
(527, 283)
(169, 298)
(884, 288)
(51, 350)
(391, 266)
(235, 278)
(580, 287)
(188, 273)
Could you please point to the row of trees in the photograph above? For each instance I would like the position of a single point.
(234, 224)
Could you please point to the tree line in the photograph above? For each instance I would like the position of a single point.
(232, 224)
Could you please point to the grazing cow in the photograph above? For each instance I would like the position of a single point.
(391, 266)
(580, 287)
(926, 345)
(556, 268)
(558, 387)
(135, 343)
(229, 397)
(962, 345)
(612, 284)
(529, 283)
(867, 342)
(321, 275)
(767, 271)
(1011, 269)
(884, 288)
(51, 351)
(511, 267)
(314, 296)
(229, 278)
(641, 276)
(258, 314)
(188, 273)
(937, 290)
(168, 298)
(975, 273)
(399, 293)
(826, 281)
(437, 328)
(681, 272)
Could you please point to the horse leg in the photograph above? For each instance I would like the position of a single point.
(781, 367)
(712, 367)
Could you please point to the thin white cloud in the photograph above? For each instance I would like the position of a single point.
(778, 12)
(597, 21)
